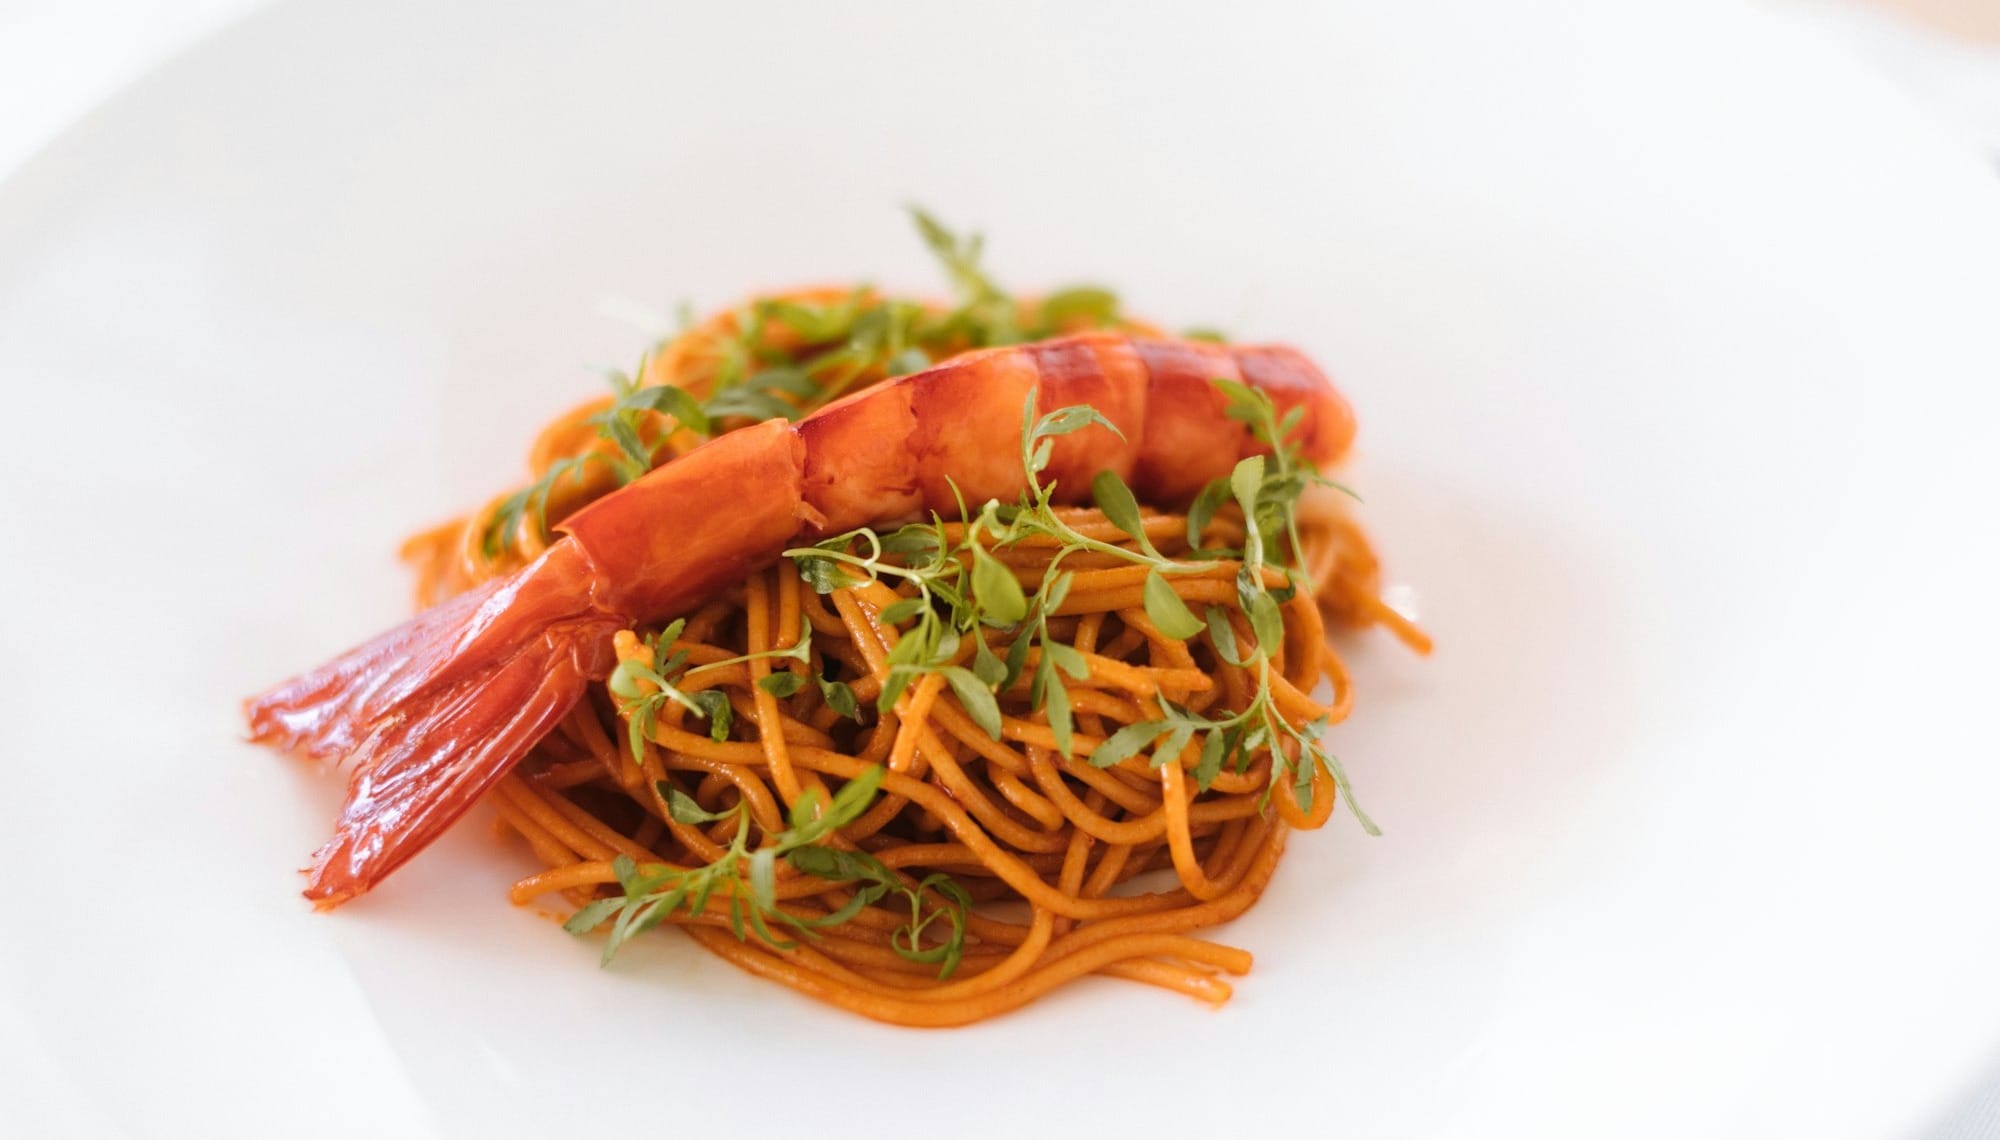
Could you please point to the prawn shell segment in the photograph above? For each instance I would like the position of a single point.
(1103, 371)
(1188, 439)
(687, 530)
(967, 428)
(857, 464)
(1291, 380)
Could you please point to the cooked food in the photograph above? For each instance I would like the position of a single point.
(861, 693)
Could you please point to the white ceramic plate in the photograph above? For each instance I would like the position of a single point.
(1674, 344)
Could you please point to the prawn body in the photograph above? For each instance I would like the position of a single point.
(435, 711)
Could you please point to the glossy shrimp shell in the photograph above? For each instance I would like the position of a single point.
(435, 711)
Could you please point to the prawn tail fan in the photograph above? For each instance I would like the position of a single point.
(435, 711)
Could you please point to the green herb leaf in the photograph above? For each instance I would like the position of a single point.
(815, 324)
(1074, 418)
(1055, 590)
(823, 574)
(907, 361)
(1055, 705)
(627, 872)
(1078, 304)
(764, 881)
(977, 699)
(791, 380)
(714, 704)
(1340, 781)
(639, 727)
(1115, 499)
(593, 915)
(839, 697)
(827, 863)
(636, 454)
(1222, 635)
(1245, 403)
(683, 808)
(917, 543)
(1168, 613)
(985, 313)
(1067, 658)
(782, 685)
(990, 670)
(742, 402)
(1170, 749)
(624, 680)
(1254, 739)
(914, 646)
(853, 798)
(899, 679)
(1017, 659)
(1291, 420)
(1001, 601)
(1043, 451)
(669, 400)
(1267, 624)
(805, 809)
(760, 396)
(1245, 480)
(530, 503)
(1126, 742)
(1213, 746)
(1232, 741)
(1202, 510)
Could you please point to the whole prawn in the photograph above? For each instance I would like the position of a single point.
(433, 712)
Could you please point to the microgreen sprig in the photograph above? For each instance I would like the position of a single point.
(746, 878)
(625, 424)
(642, 689)
(530, 504)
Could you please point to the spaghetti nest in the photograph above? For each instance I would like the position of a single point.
(912, 864)
(932, 774)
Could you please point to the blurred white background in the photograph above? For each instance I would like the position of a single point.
(61, 58)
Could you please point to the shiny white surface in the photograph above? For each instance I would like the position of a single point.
(60, 58)
(1675, 378)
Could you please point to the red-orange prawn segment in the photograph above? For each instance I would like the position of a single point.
(1187, 440)
(437, 710)
(1107, 373)
(857, 457)
(668, 542)
(968, 429)
(895, 451)
(1292, 381)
